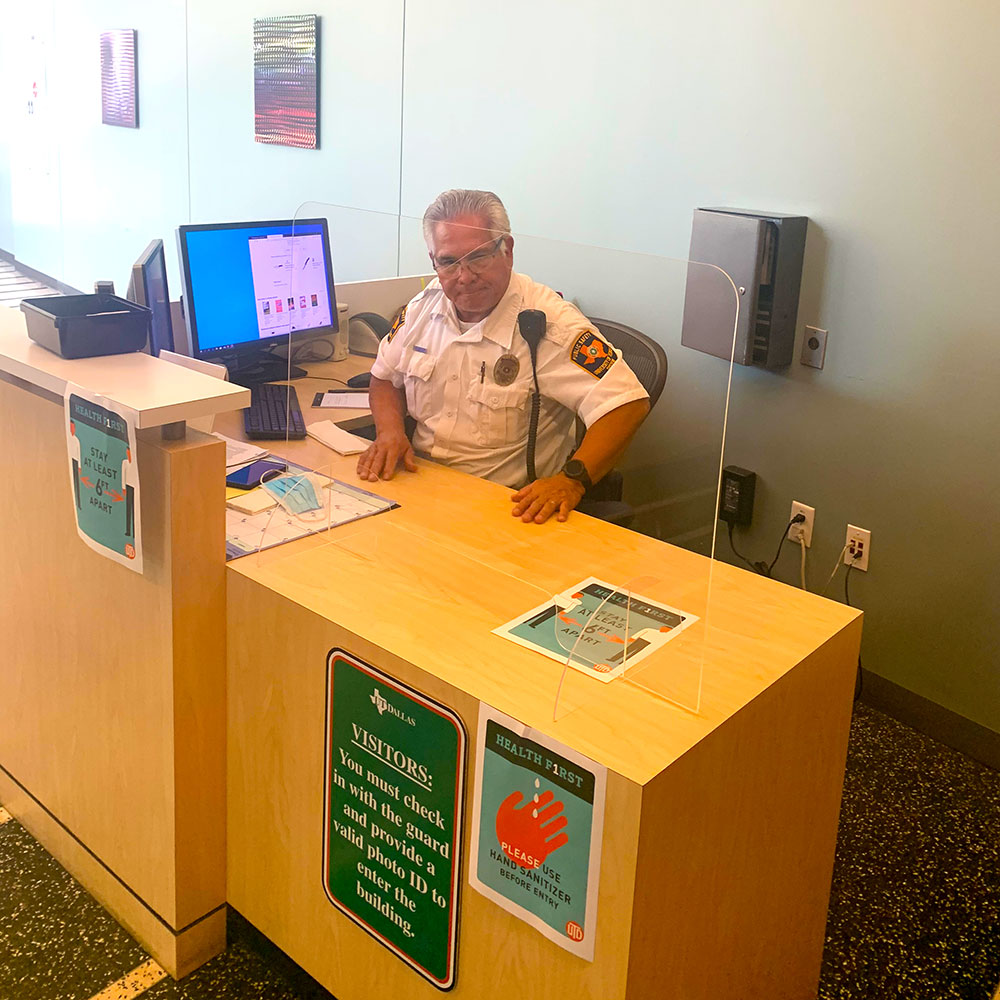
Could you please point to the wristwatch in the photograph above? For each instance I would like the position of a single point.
(575, 469)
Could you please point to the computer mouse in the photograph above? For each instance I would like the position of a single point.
(361, 381)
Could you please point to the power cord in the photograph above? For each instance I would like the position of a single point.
(306, 354)
(802, 564)
(798, 519)
(737, 553)
(836, 566)
(763, 568)
(859, 682)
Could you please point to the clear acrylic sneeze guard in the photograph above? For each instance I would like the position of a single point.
(598, 607)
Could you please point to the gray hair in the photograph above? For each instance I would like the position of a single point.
(483, 204)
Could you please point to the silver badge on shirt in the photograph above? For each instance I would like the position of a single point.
(506, 369)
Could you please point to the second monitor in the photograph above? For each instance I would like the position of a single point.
(252, 287)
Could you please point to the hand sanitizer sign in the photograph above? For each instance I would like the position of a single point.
(538, 820)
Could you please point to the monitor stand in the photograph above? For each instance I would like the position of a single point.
(251, 371)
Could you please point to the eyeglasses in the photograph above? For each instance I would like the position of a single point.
(477, 261)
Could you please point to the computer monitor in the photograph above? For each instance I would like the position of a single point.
(251, 287)
(148, 287)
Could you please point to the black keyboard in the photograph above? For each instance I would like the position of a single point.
(265, 417)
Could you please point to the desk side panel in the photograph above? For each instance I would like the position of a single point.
(88, 727)
(737, 844)
(277, 670)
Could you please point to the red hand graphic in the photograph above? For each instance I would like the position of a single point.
(529, 834)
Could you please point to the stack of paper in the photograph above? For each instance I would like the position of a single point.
(239, 453)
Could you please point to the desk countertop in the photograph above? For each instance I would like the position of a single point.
(429, 581)
(152, 392)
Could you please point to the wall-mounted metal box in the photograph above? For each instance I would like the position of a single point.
(762, 252)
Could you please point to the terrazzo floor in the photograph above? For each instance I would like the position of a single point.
(914, 911)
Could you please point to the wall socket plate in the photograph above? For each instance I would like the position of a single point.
(813, 347)
(859, 541)
(804, 529)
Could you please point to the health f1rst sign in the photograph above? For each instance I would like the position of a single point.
(394, 792)
(538, 822)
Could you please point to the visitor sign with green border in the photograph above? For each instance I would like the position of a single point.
(394, 795)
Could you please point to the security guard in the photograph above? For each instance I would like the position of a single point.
(457, 363)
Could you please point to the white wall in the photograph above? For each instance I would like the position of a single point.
(607, 124)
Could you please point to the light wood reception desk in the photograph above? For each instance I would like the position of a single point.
(112, 684)
(163, 735)
(720, 825)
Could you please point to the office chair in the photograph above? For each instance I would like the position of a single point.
(649, 362)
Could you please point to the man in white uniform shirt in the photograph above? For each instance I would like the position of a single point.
(456, 361)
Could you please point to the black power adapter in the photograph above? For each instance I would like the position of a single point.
(736, 496)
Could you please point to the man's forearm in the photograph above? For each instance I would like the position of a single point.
(607, 438)
(388, 406)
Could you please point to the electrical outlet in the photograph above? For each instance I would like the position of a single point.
(813, 347)
(804, 529)
(859, 541)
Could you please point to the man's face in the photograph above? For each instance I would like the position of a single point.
(473, 264)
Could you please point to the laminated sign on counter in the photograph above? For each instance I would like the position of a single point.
(104, 476)
(538, 823)
(394, 796)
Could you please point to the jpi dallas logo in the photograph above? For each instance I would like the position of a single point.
(378, 700)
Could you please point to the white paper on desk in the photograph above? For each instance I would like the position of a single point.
(345, 400)
(341, 441)
(239, 453)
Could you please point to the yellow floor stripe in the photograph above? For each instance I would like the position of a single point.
(136, 982)
(4, 815)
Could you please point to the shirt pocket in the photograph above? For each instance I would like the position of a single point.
(418, 386)
(500, 413)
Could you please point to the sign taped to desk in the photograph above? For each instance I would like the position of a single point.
(597, 628)
(393, 806)
(537, 830)
(104, 475)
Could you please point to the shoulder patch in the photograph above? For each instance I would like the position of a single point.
(396, 324)
(593, 354)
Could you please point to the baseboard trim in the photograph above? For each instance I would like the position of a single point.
(931, 719)
(179, 951)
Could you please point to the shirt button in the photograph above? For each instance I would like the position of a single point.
(494, 400)
(450, 413)
(454, 378)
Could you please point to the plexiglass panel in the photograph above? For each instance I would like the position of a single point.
(601, 605)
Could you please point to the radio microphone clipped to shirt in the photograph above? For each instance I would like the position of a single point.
(531, 323)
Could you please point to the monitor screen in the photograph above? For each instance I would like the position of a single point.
(250, 285)
(148, 287)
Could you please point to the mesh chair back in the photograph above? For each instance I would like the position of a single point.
(641, 353)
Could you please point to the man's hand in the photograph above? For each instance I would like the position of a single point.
(539, 500)
(382, 458)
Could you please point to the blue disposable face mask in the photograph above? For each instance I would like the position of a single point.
(295, 493)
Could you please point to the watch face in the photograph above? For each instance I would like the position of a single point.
(575, 469)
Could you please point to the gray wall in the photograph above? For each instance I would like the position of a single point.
(606, 124)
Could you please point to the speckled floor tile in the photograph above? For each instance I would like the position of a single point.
(914, 910)
(56, 942)
(251, 967)
(915, 906)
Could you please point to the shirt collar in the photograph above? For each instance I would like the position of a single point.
(499, 325)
